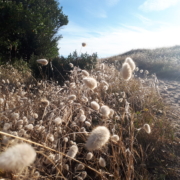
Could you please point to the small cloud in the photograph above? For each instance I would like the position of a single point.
(144, 20)
(112, 2)
(157, 5)
(99, 13)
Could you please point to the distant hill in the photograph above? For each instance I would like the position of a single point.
(165, 62)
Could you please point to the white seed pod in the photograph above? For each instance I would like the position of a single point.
(25, 119)
(15, 115)
(71, 65)
(50, 137)
(98, 138)
(20, 122)
(105, 88)
(115, 138)
(141, 71)
(17, 157)
(65, 139)
(73, 124)
(111, 113)
(102, 65)
(81, 112)
(84, 99)
(84, 73)
(72, 85)
(80, 167)
(36, 174)
(102, 162)
(83, 174)
(7, 126)
(66, 167)
(29, 126)
(147, 128)
(105, 111)
(87, 123)
(95, 105)
(126, 71)
(89, 156)
(137, 69)
(79, 178)
(1, 100)
(57, 120)
(35, 115)
(21, 132)
(117, 117)
(90, 82)
(45, 102)
(82, 118)
(5, 140)
(42, 61)
(146, 72)
(72, 97)
(120, 100)
(72, 151)
(131, 63)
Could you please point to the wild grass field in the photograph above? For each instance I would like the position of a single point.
(165, 62)
(108, 123)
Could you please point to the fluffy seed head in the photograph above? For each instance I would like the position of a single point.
(72, 151)
(105, 111)
(95, 105)
(83, 44)
(131, 63)
(45, 102)
(89, 156)
(17, 157)
(102, 162)
(80, 167)
(83, 174)
(1, 100)
(111, 113)
(87, 123)
(126, 71)
(72, 97)
(84, 73)
(57, 120)
(90, 82)
(82, 118)
(29, 126)
(71, 65)
(115, 138)
(6, 126)
(98, 138)
(147, 128)
(42, 61)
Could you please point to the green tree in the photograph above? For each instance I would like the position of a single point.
(30, 27)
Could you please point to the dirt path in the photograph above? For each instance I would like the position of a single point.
(170, 92)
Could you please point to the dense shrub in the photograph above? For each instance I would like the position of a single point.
(59, 69)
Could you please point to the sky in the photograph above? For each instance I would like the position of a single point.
(112, 27)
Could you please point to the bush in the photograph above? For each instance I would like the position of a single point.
(59, 69)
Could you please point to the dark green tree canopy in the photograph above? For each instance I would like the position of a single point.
(30, 27)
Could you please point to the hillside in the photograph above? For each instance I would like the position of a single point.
(165, 62)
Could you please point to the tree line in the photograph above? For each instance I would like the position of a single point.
(29, 27)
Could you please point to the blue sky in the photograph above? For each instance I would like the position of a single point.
(111, 27)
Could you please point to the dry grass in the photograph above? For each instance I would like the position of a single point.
(165, 62)
(136, 155)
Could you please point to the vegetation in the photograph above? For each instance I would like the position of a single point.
(58, 68)
(58, 120)
(165, 62)
(29, 27)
